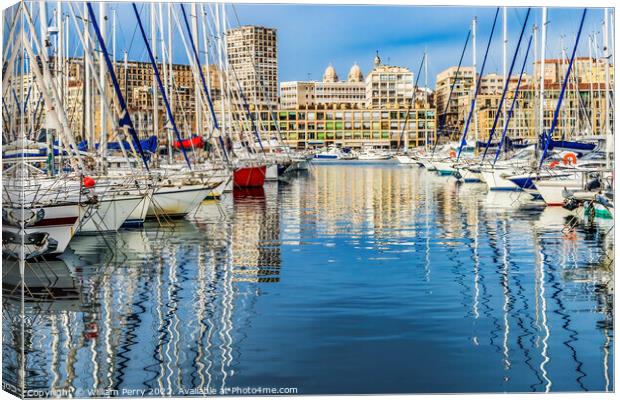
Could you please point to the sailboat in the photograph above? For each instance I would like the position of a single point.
(176, 192)
(495, 175)
(41, 210)
(551, 183)
(465, 169)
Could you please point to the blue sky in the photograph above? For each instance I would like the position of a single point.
(312, 36)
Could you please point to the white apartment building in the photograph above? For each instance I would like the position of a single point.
(252, 54)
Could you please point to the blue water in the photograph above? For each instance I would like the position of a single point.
(352, 278)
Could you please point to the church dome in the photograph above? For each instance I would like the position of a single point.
(377, 59)
(355, 74)
(330, 74)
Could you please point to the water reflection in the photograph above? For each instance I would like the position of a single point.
(349, 279)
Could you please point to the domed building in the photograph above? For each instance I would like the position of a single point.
(365, 109)
(330, 74)
(355, 74)
(329, 92)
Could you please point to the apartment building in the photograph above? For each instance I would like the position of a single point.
(253, 60)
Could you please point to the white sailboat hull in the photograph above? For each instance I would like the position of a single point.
(494, 178)
(552, 190)
(427, 163)
(444, 167)
(271, 174)
(48, 230)
(467, 175)
(138, 215)
(300, 165)
(217, 192)
(405, 160)
(177, 201)
(110, 213)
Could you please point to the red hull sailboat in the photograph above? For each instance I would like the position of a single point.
(249, 177)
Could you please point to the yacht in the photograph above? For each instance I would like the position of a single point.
(371, 154)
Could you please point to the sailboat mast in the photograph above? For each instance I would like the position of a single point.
(222, 72)
(591, 82)
(170, 70)
(194, 25)
(65, 70)
(59, 51)
(103, 131)
(60, 65)
(43, 18)
(563, 56)
(534, 85)
(541, 102)
(114, 37)
(599, 93)
(207, 49)
(125, 65)
(608, 137)
(165, 70)
(472, 110)
(44, 41)
(426, 104)
(554, 122)
(505, 52)
(473, 36)
(170, 79)
(154, 81)
(88, 131)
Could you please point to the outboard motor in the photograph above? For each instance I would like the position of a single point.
(571, 203)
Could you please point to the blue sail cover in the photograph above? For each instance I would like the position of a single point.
(578, 146)
(26, 154)
(149, 145)
(40, 152)
(565, 145)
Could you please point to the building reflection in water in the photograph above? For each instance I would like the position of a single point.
(176, 306)
(256, 235)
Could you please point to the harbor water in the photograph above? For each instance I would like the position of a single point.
(351, 278)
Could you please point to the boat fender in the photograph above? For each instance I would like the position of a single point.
(570, 158)
(88, 182)
(91, 331)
